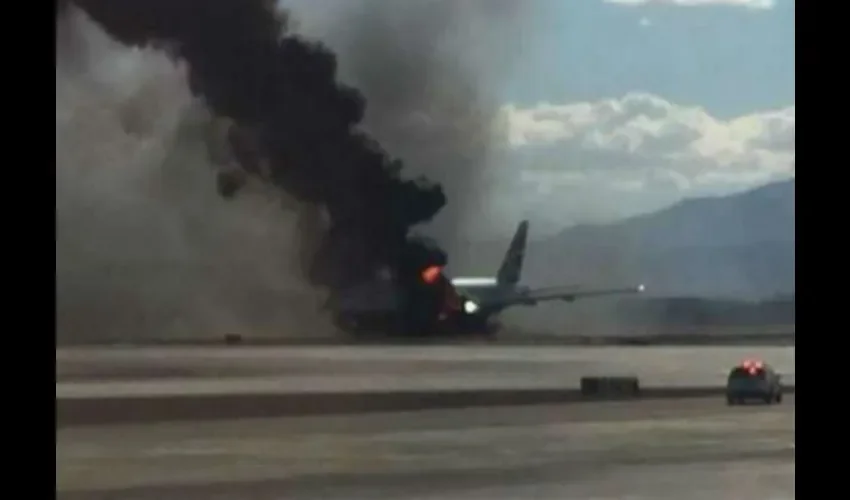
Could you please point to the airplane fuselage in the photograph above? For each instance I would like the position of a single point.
(488, 291)
(378, 307)
(431, 303)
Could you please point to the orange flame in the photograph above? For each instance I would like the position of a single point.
(431, 274)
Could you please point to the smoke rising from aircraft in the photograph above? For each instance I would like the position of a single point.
(145, 246)
(136, 197)
(430, 70)
(246, 66)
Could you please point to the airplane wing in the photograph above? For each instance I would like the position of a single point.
(568, 294)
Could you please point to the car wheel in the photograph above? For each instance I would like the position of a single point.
(768, 400)
(778, 397)
(730, 401)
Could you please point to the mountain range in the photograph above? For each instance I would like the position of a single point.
(737, 246)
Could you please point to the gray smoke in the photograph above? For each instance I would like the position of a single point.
(145, 245)
(430, 70)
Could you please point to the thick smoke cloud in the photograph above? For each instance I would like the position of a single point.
(285, 91)
(427, 103)
(145, 246)
(279, 111)
(431, 70)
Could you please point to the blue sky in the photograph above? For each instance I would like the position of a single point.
(729, 59)
(610, 108)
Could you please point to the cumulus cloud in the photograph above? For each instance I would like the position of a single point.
(595, 161)
(749, 4)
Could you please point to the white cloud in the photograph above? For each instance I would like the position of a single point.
(749, 4)
(640, 130)
(592, 161)
(645, 22)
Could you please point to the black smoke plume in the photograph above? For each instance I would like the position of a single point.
(431, 70)
(284, 90)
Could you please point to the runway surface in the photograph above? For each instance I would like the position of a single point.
(696, 448)
(90, 372)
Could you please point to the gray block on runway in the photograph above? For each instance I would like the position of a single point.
(615, 387)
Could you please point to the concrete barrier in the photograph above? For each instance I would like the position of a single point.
(233, 339)
(610, 387)
(141, 409)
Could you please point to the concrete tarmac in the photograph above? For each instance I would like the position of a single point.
(696, 448)
(98, 372)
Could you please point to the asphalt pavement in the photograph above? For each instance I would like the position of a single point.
(88, 372)
(669, 449)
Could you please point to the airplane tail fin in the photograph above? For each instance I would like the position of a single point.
(511, 269)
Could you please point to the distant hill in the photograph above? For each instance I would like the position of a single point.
(737, 246)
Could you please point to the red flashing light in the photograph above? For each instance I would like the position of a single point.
(431, 274)
(752, 366)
